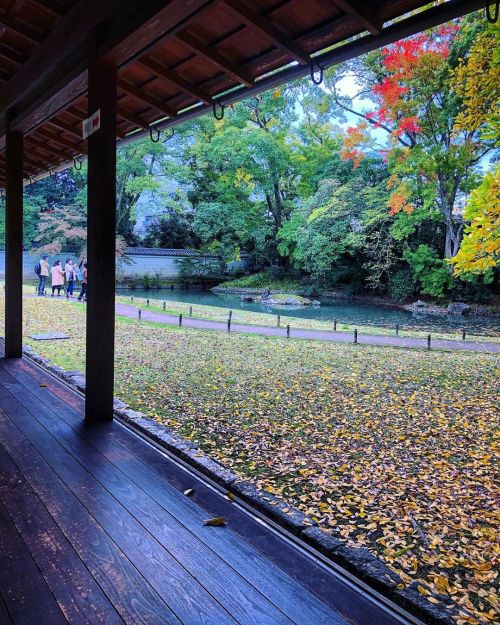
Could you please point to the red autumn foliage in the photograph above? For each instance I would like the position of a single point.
(397, 108)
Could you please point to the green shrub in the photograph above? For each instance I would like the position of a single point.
(262, 281)
(432, 272)
(402, 285)
(147, 281)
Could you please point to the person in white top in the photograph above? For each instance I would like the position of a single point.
(43, 275)
(70, 277)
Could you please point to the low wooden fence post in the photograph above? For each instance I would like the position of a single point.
(190, 311)
(229, 324)
(397, 329)
(355, 336)
(463, 335)
(428, 341)
(180, 320)
(287, 331)
(279, 320)
(230, 315)
(335, 325)
(147, 303)
(164, 306)
(140, 314)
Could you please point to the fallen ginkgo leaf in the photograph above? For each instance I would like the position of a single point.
(216, 521)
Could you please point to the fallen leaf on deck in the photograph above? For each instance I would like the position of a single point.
(216, 521)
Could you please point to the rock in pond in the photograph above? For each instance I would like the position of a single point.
(458, 309)
(419, 305)
(284, 299)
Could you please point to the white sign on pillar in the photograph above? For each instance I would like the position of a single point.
(91, 124)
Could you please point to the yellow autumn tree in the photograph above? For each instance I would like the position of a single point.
(480, 248)
(476, 81)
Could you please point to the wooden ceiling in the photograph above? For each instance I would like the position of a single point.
(175, 59)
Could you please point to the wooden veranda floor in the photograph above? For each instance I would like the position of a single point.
(95, 528)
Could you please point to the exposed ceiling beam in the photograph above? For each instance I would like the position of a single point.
(363, 12)
(50, 6)
(142, 96)
(176, 80)
(131, 30)
(11, 55)
(33, 36)
(68, 36)
(41, 145)
(268, 30)
(71, 130)
(35, 161)
(131, 118)
(61, 141)
(215, 57)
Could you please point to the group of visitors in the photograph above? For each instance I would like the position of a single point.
(62, 278)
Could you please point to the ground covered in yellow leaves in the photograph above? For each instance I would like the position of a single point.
(395, 450)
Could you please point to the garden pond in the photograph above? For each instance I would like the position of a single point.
(343, 312)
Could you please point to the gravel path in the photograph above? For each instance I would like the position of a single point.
(126, 310)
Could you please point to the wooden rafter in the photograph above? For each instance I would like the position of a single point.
(40, 145)
(363, 12)
(215, 57)
(50, 6)
(21, 29)
(11, 55)
(71, 130)
(175, 79)
(142, 96)
(61, 141)
(131, 118)
(67, 37)
(35, 161)
(267, 29)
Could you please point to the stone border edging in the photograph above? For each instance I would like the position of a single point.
(358, 561)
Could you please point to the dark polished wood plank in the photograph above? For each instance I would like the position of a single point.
(4, 615)
(75, 590)
(163, 480)
(24, 591)
(289, 596)
(132, 597)
(239, 598)
(187, 598)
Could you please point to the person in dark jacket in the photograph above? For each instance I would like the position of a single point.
(83, 292)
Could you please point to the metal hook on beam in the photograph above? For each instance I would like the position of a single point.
(492, 17)
(51, 172)
(218, 112)
(158, 132)
(77, 164)
(316, 67)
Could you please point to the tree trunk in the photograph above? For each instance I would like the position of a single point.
(453, 223)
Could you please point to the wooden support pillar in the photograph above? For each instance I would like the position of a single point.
(101, 227)
(14, 245)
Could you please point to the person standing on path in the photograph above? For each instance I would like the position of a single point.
(57, 278)
(43, 275)
(77, 271)
(70, 277)
(83, 292)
